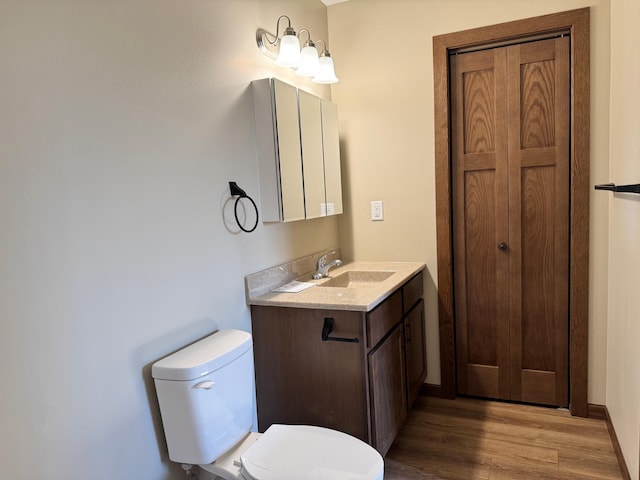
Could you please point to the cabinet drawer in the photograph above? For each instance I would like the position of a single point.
(383, 318)
(412, 292)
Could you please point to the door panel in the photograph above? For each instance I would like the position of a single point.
(539, 218)
(480, 222)
(480, 258)
(510, 169)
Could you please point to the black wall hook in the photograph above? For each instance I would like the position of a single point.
(236, 191)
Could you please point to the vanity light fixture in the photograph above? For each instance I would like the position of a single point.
(306, 62)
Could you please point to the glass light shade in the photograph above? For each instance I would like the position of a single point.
(308, 66)
(289, 51)
(325, 74)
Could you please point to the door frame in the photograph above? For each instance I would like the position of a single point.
(577, 22)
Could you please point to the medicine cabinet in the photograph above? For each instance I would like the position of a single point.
(298, 153)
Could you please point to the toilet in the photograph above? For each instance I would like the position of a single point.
(205, 393)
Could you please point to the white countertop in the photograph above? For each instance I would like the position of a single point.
(359, 298)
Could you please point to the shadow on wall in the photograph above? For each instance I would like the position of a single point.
(150, 353)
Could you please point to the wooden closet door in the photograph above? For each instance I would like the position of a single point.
(538, 98)
(480, 221)
(510, 168)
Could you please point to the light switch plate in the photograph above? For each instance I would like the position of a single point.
(377, 214)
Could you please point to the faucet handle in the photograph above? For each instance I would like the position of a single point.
(322, 261)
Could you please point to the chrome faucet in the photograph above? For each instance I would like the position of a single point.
(322, 267)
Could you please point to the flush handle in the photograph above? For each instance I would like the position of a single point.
(204, 385)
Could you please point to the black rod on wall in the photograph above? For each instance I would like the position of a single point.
(634, 188)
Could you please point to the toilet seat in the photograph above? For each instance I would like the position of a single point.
(301, 452)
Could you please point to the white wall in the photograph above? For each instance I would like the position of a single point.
(383, 52)
(623, 359)
(121, 123)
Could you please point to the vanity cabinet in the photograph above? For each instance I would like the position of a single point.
(298, 153)
(360, 380)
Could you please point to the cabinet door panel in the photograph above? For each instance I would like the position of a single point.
(288, 133)
(388, 390)
(301, 379)
(331, 145)
(415, 347)
(311, 138)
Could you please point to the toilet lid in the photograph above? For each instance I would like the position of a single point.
(300, 452)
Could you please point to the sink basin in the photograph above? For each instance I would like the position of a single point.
(357, 278)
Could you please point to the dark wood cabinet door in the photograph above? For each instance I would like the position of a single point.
(414, 334)
(301, 379)
(388, 389)
(510, 167)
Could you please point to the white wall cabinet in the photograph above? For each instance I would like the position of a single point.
(298, 153)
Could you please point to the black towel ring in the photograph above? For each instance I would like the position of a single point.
(236, 191)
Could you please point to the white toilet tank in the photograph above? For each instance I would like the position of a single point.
(205, 392)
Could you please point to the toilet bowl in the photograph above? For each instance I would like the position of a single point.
(205, 393)
(299, 452)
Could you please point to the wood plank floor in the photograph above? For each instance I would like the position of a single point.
(470, 439)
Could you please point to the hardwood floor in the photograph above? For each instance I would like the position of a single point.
(470, 439)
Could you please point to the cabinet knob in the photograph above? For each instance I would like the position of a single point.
(502, 246)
